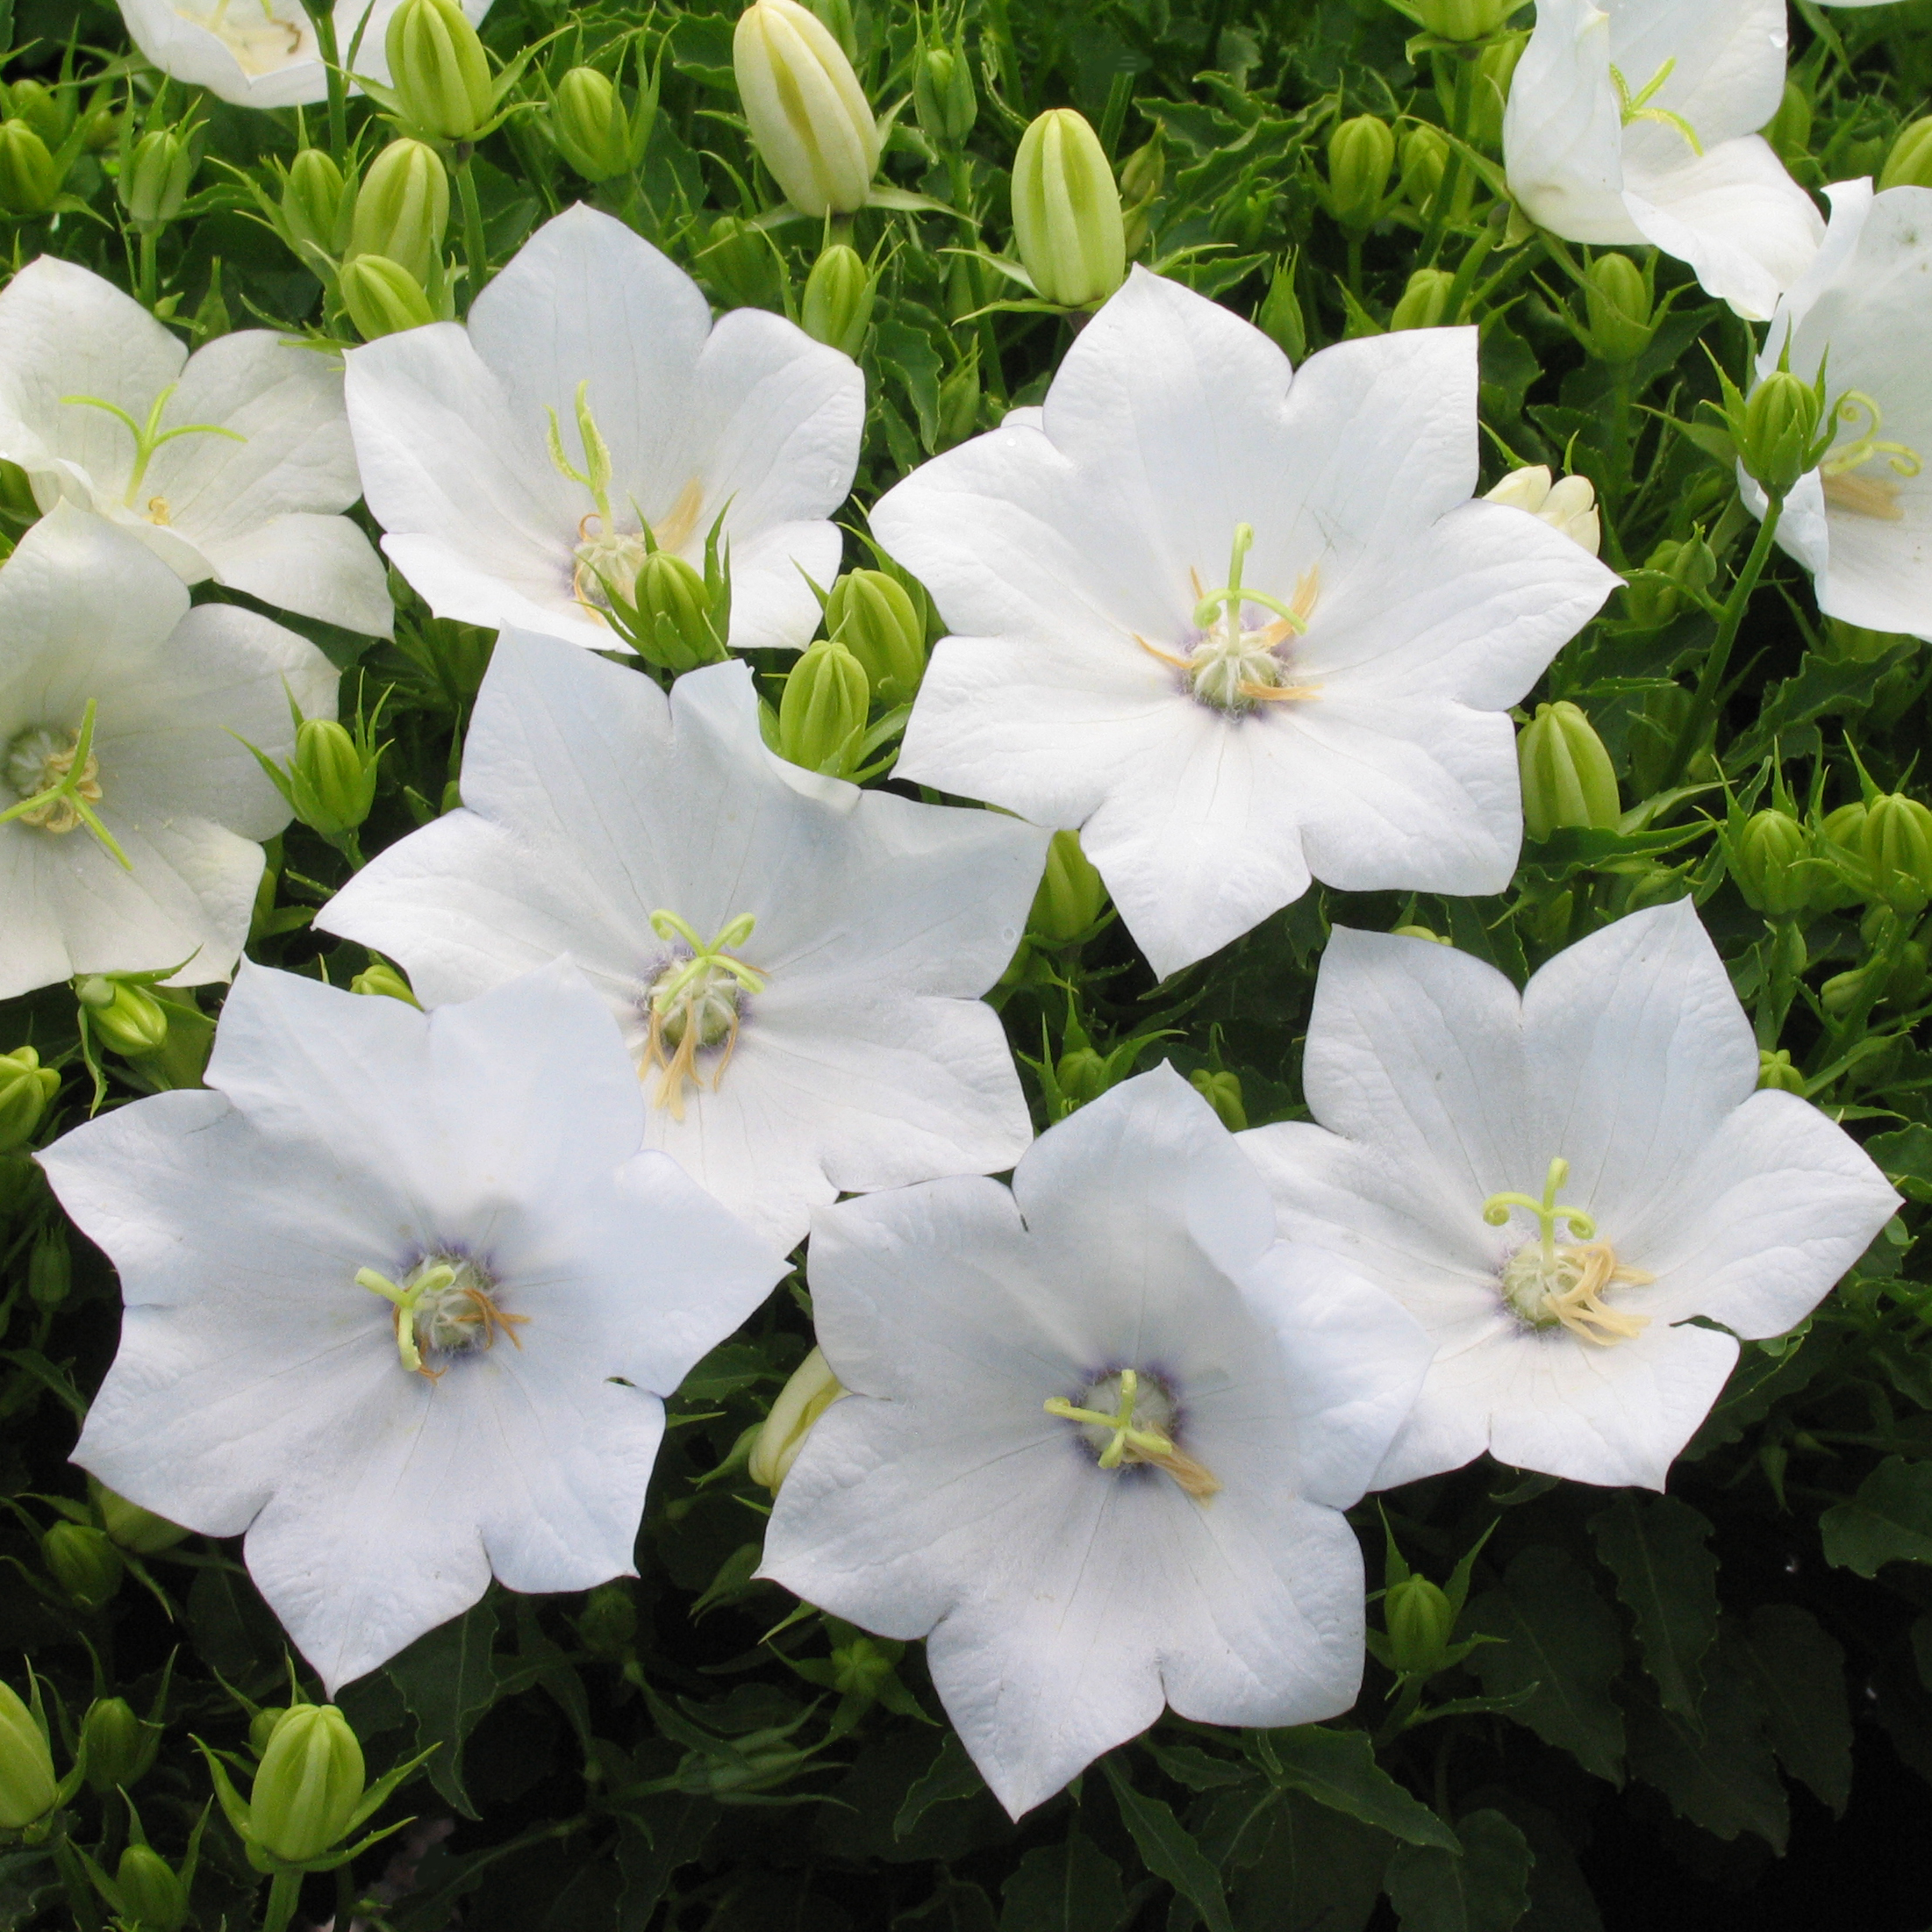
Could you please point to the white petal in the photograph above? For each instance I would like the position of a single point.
(320, 567)
(1726, 63)
(1562, 131)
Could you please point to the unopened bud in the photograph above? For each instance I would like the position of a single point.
(50, 1266)
(28, 1790)
(1424, 303)
(942, 94)
(1280, 318)
(439, 69)
(1775, 1072)
(151, 1893)
(739, 261)
(1789, 129)
(26, 1088)
(312, 197)
(1419, 1619)
(1617, 305)
(607, 1624)
(1764, 858)
(591, 125)
(85, 1564)
(127, 1020)
(1222, 1092)
(873, 615)
(1361, 159)
(1462, 19)
(1896, 843)
(382, 981)
(155, 179)
(822, 714)
(117, 1745)
(309, 1784)
(1081, 1075)
(1691, 562)
(676, 628)
(1071, 895)
(332, 782)
(1568, 778)
(809, 119)
(1569, 506)
(861, 1667)
(402, 209)
(1910, 164)
(50, 115)
(382, 298)
(1067, 223)
(811, 1391)
(1425, 161)
(30, 177)
(838, 299)
(134, 1529)
(1776, 437)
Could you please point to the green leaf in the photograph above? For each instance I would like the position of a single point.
(1889, 1519)
(1561, 1642)
(1338, 1768)
(1171, 1854)
(1196, 1769)
(954, 1908)
(1320, 1870)
(1485, 1890)
(1666, 1575)
(1799, 1675)
(1905, 1158)
(953, 1775)
(1070, 1887)
(448, 1679)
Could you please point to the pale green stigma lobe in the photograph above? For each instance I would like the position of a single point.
(446, 1305)
(1546, 1285)
(1636, 107)
(150, 436)
(1137, 1428)
(695, 1003)
(55, 779)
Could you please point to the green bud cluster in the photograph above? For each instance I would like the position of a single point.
(28, 1788)
(839, 293)
(401, 211)
(596, 131)
(944, 100)
(156, 175)
(123, 1014)
(1071, 895)
(1424, 303)
(30, 177)
(822, 714)
(25, 1089)
(1620, 321)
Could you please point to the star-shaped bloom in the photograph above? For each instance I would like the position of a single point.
(230, 463)
(131, 811)
(1861, 522)
(1098, 1434)
(403, 1298)
(1237, 625)
(262, 53)
(1637, 122)
(797, 964)
(517, 463)
(1556, 1184)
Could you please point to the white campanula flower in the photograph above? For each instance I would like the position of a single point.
(1238, 624)
(1096, 1441)
(402, 1301)
(131, 811)
(230, 464)
(1861, 522)
(1636, 121)
(517, 460)
(797, 964)
(1556, 1184)
(262, 53)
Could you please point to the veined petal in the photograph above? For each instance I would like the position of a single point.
(1563, 130)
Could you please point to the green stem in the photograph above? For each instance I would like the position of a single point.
(1356, 239)
(324, 16)
(148, 274)
(345, 1899)
(284, 1894)
(1443, 203)
(476, 250)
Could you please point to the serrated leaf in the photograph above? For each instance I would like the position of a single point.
(1799, 1675)
(1186, 1764)
(448, 1679)
(1906, 1159)
(1318, 1870)
(1888, 1521)
(952, 1775)
(1338, 1768)
(1657, 1550)
(1069, 1887)
(1169, 1852)
(1485, 1890)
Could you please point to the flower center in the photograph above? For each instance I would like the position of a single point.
(1548, 1284)
(446, 1305)
(40, 769)
(1636, 107)
(259, 42)
(1233, 660)
(1865, 495)
(696, 1004)
(1125, 1418)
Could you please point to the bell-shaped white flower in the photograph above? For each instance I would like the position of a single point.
(403, 1299)
(1636, 122)
(1097, 1437)
(797, 964)
(1235, 623)
(262, 53)
(1860, 522)
(131, 811)
(517, 462)
(1556, 1184)
(230, 463)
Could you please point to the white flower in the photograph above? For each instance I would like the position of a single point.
(403, 1299)
(594, 352)
(1218, 720)
(1072, 1574)
(97, 640)
(1860, 522)
(1636, 122)
(797, 964)
(1569, 506)
(262, 53)
(228, 463)
(1449, 1107)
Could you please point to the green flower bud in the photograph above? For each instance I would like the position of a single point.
(1568, 779)
(28, 1788)
(1081, 1074)
(1789, 129)
(1495, 70)
(312, 1777)
(823, 710)
(26, 1088)
(838, 299)
(1361, 159)
(1910, 164)
(156, 177)
(382, 298)
(861, 1667)
(1843, 991)
(439, 69)
(1779, 429)
(1906, 982)
(30, 177)
(607, 1625)
(50, 115)
(1222, 1092)
(809, 119)
(402, 209)
(873, 615)
(1425, 161)
(332, 781)
(85, 1564)
(50, 1266)
(313, 199)
(1896, 843)
(1279, 316)
(741, 261)
(1419, 1619)
(1775, 1072)
(152, 1893)
(1071, 895)
(943, 99)
(1067, 222)
(261, 1726)
(1461, 19)
(126, 1020)
(134, 1529)
(1143, 173)
(811, 1391)
(1691, 562)
(959, 399)
(117, 1745)
(1763, 858)
(382, 981)
(674, 625)
(1424, 302)
(590, 127)
(1617, 305)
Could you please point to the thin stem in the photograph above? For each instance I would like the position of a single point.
(326, 43)
(476, 250)
(284, 1894)
(147, 275)
(345, 1900)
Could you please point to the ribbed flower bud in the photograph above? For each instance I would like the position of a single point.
(1081, 1073)
(809, 119)
(50, 1266)
(155, 179)
(127, 1020)
(1424, 303)
(402, 209)
(1067, 222)
(1568, 778)
(1071, 894)
(676, 628)
(1763, 859)
(1279, 316)
(382, 298)
(85, 1564)
(50, 115)
(1222, 1092)
(309, 1785)
(1896, 842)
(607, 1625)
(1361, 159)
(28, 1789)
(1425, 161)
(591, 125)
(1910, 164)
(1617, 305)
(942, 94)
(740, 262)
(1775, 439)
(30, 177)
(838, 299)
(1419, 1619)
(312, 195)
(873, 615)
(134, 1529)
(152, 1893)
(811, 1391)
(1462, 19)
(822, 714)
(1775, 1072)
(439, 69)
(26, 1088)
(1691, 562)
(332, 781)
(118, 1745)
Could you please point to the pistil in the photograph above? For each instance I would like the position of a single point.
(1547, 1285)
(56, 781)
(1636, 107)
(695, 1005)
(1865, 495)
(444, 1306)
(1120, 1441)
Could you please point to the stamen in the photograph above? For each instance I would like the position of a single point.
(694, 1005)
(1233, 667)
(1865, 495)
(1548, 1286)
(57, 785)
(1127, 1444)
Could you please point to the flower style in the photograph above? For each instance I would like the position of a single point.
(797, 964)
(131, 811)
(262, 53)
(1098, 1435)
(590, 411)
(1636, 122)
(229, 463)
(1859, 521)
(1236, 628)
(1556, 1184)
(403, 1299)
